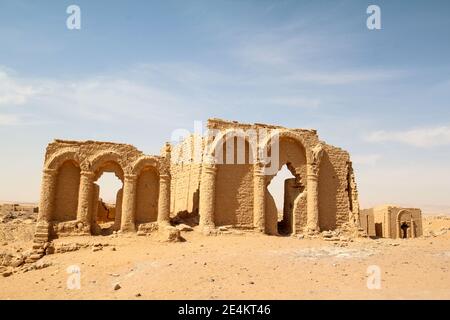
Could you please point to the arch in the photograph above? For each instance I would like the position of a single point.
(144, 162)
(103, 159)
(290, 152)
(252, 141)
(404, 224)
(59, 158)
(403, 212)
(266, 143)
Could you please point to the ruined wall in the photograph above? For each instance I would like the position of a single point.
(386, 220)
(408, 215)
(185, 171)
(233, 194)
(337, 191)
(15, 207)
(105, 212)
(69, 194)
(334, 198)
(367, 222)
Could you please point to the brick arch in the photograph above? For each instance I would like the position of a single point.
(144, 162)
(266, 143)
(103, 158)
(403, 212)
(58, 159)
(224, 136)
(292, 152)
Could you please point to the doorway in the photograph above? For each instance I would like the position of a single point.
(284, 189)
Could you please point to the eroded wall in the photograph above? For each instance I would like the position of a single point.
(185, 176)
(233, 202)
(69, 194)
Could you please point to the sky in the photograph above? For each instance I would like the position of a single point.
(137, 70)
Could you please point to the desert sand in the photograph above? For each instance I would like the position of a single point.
(232, 265)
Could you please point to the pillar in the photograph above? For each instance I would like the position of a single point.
(312, 187)
(413, 232)
(118, 218)
(94, 201)
(164, 200)
(259, 201)
(47, 199)
(85, 195)
(312, 200)
(207, 195)
(128, 203)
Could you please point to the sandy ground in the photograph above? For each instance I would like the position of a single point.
(242, 266)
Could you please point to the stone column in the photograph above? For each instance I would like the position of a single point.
(164, 200)
(207, 194)
(312, 189)
(312, 199)
(128, 203)
(47, 200)
(84, 199)
(118, 217)
(413, 232)
(259, 198)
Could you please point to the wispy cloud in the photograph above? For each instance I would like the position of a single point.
(290, 56)
(336, 77)
(100, 98)
(366, 159)
(420, 137)
(294, 102)
(9, 120)
(13, 91)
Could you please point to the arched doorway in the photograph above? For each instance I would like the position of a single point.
(292, 156)
(405, 225)
(107, 198)
(284, 189)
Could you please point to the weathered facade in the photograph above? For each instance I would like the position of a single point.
(69, 201)
(389, 221)
(190, 178)
(323, 195)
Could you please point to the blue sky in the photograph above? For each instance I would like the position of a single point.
(381, 94)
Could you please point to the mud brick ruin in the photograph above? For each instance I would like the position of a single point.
(218, 179)
(389, 221)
